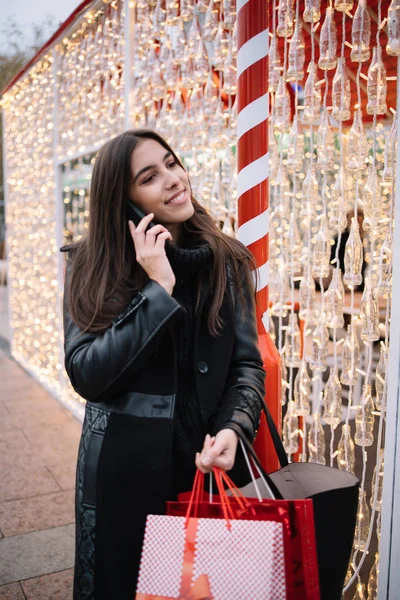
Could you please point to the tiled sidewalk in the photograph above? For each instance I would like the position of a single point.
(38, 449)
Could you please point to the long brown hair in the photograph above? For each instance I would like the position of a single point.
(104, 274)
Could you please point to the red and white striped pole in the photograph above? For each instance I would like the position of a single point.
(253, 171)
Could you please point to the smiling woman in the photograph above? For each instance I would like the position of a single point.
(160, 338)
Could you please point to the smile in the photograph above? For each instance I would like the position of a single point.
(178, 198)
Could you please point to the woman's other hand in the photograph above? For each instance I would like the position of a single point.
(218, 451)
(150, 251)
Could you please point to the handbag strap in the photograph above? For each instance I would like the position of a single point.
(276, 438)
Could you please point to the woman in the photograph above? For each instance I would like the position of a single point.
(160, 339)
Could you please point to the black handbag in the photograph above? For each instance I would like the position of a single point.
(335, 500)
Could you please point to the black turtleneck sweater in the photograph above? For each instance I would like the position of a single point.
(187, 261)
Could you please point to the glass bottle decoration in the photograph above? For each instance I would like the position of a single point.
(380, 380)
(284, 380)
(371, 199)
(312, 97)
(187, 10)
(343, 5)
(316, 441)
(295, 156)
(350, 357)
(369, 314)
(362, 523)
(210, 26)
(220, 48)
(310, 195)
(312, 11)
(328, 41)
(321, 252)
(360, 592)
(202, 5)
(393, 28)
(325, 144)
(376, 84)
(346, 457)
(172, 12)
(356, 144)
(201, 64)
(341, 92)
(229, 77)
(307, 294)
(361, 33)
(296, 55)
(339, 202)
(158, 20)
(334, 299)
(282, 106)
(353, 256)
(377, 480)
(389, 170)
(320, 339)
(285, 18)
(290, 436)
(302, 392)
(333, 399)
(364, 435)
(229, 11)
(292, 248)
(274, 65)
(373, 579)
(378, 526)
(292, 342)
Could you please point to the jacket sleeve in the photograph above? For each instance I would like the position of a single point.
(99, 365)
(245, 386)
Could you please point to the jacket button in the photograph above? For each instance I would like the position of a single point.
(202, 367)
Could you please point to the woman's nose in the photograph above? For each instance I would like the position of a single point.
(172, 179)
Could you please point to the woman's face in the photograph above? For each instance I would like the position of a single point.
(159, 184)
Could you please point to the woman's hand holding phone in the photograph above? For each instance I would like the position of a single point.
(150, 251)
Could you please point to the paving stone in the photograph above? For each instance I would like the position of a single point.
(57, 586)
(12, 591)
(25, 481)
(38, 553)
(40, 512)
(64, 474)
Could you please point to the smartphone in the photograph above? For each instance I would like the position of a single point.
(135, 214)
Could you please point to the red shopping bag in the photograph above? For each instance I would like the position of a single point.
(297, 518)
(194, 558)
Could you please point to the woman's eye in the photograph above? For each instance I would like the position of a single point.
(173, 163)
(148, 179)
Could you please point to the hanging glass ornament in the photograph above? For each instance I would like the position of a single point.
(385, 265)
(312, 97)
(369, 314)
(333, 399)
(320, 340)
(292, 247)
(356, 144)
(187, 10)
(380, 380)
(328, 41)
(282, 106)
(393, 29)
(334, 299)
(346, 456)
(296, 55)
(360, 33)
(274, 65)
(316, 441)
(220, 48)
(353, 256)
(281, 193)
(360, 592)
(365, 419)
(210, 26)
(362, 524)
(343, 5)
(172, 12)
(350, 357)
(308, 209)
(285, 18)
(339, 203)
(312, 11)
(389, 170)
(376, 84)
(295, 147)
(373, 579)
(302, 392)
(372, 201)
(229, 74)
(325, 144)
(284, 380)
(321, 252)
(201, 65)
(290, 433)
(210, 97)
(378, 526)
(292, 347)
(202, 5)
(341, 92)
(158, 21)
(378, 481)
(229, 11)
